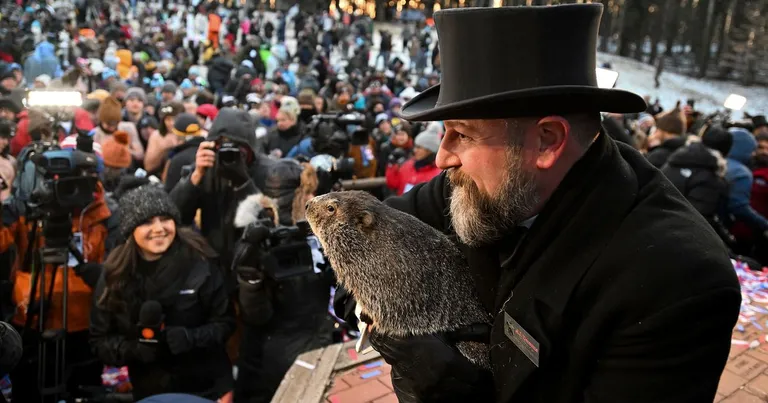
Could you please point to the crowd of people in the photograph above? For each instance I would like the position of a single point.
(203, 121)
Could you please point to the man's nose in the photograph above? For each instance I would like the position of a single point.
(446, 159)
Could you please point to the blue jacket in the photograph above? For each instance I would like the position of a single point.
(303, 148)
(739, 178)
(42, 61)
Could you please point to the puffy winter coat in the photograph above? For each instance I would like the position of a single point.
(197, 301)
(740, 179)
(659, 155)
(698, 173)
(42, 61)
(98, 235)
(401, 179)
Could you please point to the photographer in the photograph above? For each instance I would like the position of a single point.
(283, 294)
(217, 185)
(182, 347)
(87, 220)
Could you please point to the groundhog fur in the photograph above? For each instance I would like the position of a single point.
(409, 278)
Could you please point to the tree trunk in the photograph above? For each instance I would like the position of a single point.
(656, 30)
(704, 51)
(671, 26)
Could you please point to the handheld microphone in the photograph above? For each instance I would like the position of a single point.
(150, 322)
(10, 348)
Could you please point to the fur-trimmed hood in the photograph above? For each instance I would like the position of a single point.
(255, 207)
(696, 155)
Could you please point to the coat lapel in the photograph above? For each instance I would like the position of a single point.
(566, 238)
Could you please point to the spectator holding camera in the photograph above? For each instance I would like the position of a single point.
(227, 169)
(172, 266)
(418, 169)
(399, 147)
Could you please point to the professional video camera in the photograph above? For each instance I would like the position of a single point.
(332, 134)
(281, 251)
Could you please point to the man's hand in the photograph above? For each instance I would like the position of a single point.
(204, 159)
(429, 368)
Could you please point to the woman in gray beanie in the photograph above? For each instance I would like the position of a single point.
(173, 268)
(421, 167)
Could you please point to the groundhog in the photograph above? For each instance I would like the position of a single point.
(409, 278)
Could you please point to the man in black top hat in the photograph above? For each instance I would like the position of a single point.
(602, 281)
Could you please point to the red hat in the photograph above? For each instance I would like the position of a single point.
(207, 111)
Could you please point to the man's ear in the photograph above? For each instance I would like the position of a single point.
(553, 133)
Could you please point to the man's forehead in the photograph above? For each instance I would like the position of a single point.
(476, 124)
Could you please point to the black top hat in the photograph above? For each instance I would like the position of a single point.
(518, 61)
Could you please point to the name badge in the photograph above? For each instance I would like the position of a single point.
(522, 339)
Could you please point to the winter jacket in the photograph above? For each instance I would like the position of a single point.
(179, 157)
(99, 233)
(22, 137)
(366, 164)
(135, 145)
(699, 174)
(403, 178)
(608, 281)
(219, 73)
(281, 140)
(42, 61)
(197, 301)
(304, 148)
(218, 201)
(739, 179)
(759, 199)
(659, 155)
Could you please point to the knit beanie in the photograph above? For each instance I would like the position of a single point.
(115, 150)
(186, 125)
(718, 139)
(428, 140)
(110, 110)
(136, 93)
(143, 203)
(170, 87)
(672, 122)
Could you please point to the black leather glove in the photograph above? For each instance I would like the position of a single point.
(429, 368)
(236, 171)
(139, 352)
(178, 339)
(89, 272)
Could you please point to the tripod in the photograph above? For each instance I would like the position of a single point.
(56, 229)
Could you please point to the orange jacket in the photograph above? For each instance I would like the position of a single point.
(94, 232)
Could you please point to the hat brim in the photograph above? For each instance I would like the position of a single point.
(519, 103)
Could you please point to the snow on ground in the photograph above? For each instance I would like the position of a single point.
(709, 94)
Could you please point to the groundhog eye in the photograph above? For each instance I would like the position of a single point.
(331, 209)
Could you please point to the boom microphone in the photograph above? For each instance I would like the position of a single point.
(150, 322)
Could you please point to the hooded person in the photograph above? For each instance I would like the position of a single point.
(282, 316)
(173, 270)
(579, 249)
(749, 224)
(228, 168)
(698, 171)
(110, 116)
(188, 128)
(42, 61)
(668, 136)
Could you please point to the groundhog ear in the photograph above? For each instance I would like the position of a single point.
(367, 219)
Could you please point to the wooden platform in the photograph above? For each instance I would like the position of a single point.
(312, 376)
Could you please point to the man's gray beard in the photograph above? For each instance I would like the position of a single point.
(479, 218)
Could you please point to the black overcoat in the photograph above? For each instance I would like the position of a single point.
(627, 290)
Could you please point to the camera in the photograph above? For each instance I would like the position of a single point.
(288, 248)
(228, 152)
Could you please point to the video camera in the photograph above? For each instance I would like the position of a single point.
(282, 251)
(332, 134)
